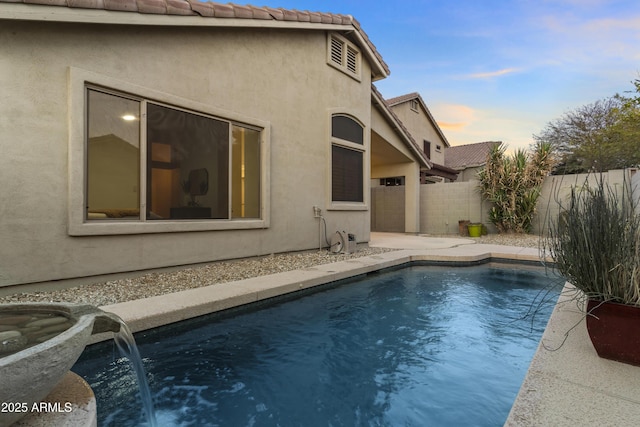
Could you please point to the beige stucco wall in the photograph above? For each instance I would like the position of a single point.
(421, 129)
(468, 174)
(278, 77)
(397, 160)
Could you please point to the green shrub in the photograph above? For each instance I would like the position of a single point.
(512, 184)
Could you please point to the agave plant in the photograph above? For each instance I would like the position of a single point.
(513, 183)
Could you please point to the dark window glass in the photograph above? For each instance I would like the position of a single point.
(188, 158)
(427, 149)
(347, 175)
(347, 129)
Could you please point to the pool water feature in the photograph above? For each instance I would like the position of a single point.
(126, 343)
(422, 345)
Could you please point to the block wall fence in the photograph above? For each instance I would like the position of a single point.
(443, 205)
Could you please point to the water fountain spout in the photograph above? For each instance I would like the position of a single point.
(39, 343)
(106, 322)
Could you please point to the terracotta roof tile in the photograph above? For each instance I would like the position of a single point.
(86, 4)
(315, 17)
(303, 16)
(260, 13)
(178, 7)
(223, 10)
(402, 98)
(289, 15)
(203, 8)
(152, 6)
(276, 14)
(469, 155)
(242, 11)
(121, 5)
(46, 2)
(217, 10)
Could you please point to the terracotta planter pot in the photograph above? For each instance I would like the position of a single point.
(614, 330)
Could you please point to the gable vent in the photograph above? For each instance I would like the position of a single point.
(343, 55)
(352, 60)
(336, 50)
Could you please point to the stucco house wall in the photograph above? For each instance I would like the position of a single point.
(394, 154)
(277, 79)
(418, 124)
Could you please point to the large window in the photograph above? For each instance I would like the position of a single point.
(347, 160)
(152, 162)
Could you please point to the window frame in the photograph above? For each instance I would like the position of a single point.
(363, 149)
(78, 225)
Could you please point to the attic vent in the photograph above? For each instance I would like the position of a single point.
(352, 59)
(336, 51)
(344, 56)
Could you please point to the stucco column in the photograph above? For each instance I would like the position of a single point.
(412, 198)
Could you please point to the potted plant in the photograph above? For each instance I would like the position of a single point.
(595, 244)
(475, 229)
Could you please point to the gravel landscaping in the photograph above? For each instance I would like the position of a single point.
(159, 283)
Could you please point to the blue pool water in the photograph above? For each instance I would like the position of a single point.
(420, 346)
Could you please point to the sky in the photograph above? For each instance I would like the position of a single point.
(499, 70)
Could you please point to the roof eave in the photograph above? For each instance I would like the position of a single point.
(59, 13)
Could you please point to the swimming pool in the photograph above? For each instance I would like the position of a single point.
(423, 345)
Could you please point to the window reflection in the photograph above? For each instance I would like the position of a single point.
(113, 157)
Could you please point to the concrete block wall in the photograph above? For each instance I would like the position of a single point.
(557, 189)
(443, 205)
(635, 187)
(388, 209)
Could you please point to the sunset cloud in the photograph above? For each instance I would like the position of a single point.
(454, 117)
(452, 126)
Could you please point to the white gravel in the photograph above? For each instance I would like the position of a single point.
(159, 283)
(152, 284)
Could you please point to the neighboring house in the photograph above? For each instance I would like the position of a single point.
(416, 117)
(138, 134)
(467, 160)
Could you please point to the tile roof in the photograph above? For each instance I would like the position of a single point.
(213, 10)
(392, 102)
(403, 98)
(469, 155)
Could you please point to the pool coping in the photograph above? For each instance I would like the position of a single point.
(570, 386)
(152, 312)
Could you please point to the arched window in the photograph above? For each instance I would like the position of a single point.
(347, 160)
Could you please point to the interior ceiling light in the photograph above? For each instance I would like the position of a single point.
(129, 117)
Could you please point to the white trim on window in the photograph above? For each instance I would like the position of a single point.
(77, 225)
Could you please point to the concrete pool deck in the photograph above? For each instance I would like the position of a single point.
(569, 386)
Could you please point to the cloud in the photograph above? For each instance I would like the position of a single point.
(492, 74)
(454, 117)
(452, 126)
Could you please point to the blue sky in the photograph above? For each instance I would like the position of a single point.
(499, 70)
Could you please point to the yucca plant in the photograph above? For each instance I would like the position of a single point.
(512, 184)
(595, 243)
